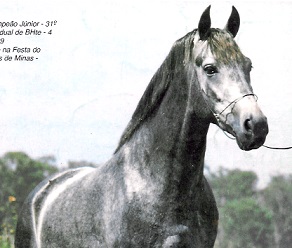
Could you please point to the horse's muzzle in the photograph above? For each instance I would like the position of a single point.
(253, 133)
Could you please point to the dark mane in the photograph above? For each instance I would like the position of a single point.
(179, 54)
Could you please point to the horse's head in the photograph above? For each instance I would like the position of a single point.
(223, 74)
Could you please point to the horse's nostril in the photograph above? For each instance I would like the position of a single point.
(247, 125)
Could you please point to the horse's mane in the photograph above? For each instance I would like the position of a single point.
(179, 54)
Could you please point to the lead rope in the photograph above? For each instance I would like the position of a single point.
(278, 148)
(269, 147)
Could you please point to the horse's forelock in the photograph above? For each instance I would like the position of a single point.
(224, 48)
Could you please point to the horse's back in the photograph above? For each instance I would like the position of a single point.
(38, 203)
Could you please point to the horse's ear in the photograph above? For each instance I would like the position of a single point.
(233, 22)
(205, 24)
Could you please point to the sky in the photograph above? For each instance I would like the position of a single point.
(75, 100)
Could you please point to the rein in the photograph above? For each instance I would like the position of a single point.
(269, 147)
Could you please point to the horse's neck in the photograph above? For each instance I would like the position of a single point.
(172, 141)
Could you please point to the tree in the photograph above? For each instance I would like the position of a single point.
(247, 224)
(27, 173)
(232, 184)
(243, 221)
(49, 160)
(19, 174)
(7, 206)
(278, 197)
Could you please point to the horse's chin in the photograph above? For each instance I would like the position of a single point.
(250, 144)
(247, 147)
(248, 139)
(246, 142)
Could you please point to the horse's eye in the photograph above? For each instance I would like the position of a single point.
(210, 70)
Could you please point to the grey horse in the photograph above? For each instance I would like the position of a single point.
(152, 191)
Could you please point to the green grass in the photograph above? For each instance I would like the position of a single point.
(7, 236)
(6, 243)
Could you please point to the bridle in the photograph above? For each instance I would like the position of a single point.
(234, 102)
(217, 115)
